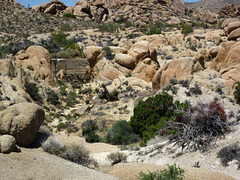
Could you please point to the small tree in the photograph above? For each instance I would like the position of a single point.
(121, 133)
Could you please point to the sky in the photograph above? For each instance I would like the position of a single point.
(67, 2)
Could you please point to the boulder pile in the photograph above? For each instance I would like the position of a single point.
(135, 11)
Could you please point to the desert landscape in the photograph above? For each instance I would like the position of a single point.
(120, 89)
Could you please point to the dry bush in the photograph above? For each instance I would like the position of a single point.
(74, 153)
(199, 126)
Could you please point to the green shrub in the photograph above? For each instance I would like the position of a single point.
(92, 137)
(193, 48)
(88, 131)
(172, 173)
(69, 15)
(237, 93)
(52, 97)
(5, 50)
(107, 50)
(155, 28)
(108, 27)
(121, 133)
(59, 38)
(32, 90)
(186, 29)
(151, 115)
(116, 158)
(60, 126)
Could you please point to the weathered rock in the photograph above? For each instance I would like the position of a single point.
(178, 69)
(233, 56)
(232, 26)
(222, 54)
(92, 53)
(37, 59)
(7, 144)
(117, 50)
(22, 121)
(229, 20)
(125, 60)
(69, 10)
(234, 34)
(45, 5)
(37, 8)
(83, 110)
(145, 70)
(142, 50)
(39, 52)
(54, 8)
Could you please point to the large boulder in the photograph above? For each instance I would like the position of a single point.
(7, 144)
(142, 50)
(22, 121)
(227, 21)
(93, 54)
(234, 34)
(177, 69)
(125, 60)
(145, 70)
(37, 59)
(230, 69)
(232, 26)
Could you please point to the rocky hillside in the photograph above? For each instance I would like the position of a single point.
(149, 86)
(214, 5)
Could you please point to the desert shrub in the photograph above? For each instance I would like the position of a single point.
(237, 93)
(173, 81)
(71, 98)
(77, 154)
(193, 48)
(184, 83)
(172, 173)
(108, 27)
(110, 96)
(151, 115)
(107, 50)
(196, 90)
(154, 28)
(53, 146)
(199, 126)
(121, 133)
(229, 153)
(74, 153)
(32, 90)
(60, 126)
(59, 38)
(69, 15)
(132, 36)
(88, 131)
(5, 50)
(116, 158)
(52, 97)
(186, 28)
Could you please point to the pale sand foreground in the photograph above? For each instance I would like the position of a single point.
(129, 171)
(35, 164)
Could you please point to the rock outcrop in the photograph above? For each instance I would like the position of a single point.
(37, 59)
(178, 69)
(22, 121)
(53, 7)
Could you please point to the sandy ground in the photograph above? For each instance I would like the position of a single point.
(35, 164)
(129, 171)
